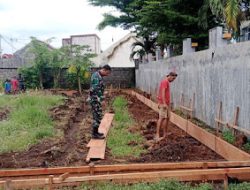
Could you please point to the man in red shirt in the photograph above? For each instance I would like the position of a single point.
(164, 104)
(14, 85)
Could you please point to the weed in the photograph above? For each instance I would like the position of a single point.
(247, 146)
(228, 136)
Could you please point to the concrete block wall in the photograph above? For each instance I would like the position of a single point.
(225, 77)
(120, 77)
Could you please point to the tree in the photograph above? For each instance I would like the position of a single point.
(79, 62)
(146, 47)
(127, 13)
(42, 58)
(229, 12)
(168, 21)
(59, 59)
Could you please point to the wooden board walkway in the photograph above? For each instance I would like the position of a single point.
(97, 147)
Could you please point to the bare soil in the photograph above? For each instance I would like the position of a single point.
(4, 114)
(178, 146)
(73, 120)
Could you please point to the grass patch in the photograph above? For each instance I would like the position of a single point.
(164, 184)
(28, 122)
(119, 136)
(228, 136)
(247, 146)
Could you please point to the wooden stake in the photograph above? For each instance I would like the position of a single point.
(51, 182)
(236, 117)
(7, 185)
(92, 168)
(225, 182)
(182, 101)
(110, 90)
(63, 176)
(192, 106)
(219, 118)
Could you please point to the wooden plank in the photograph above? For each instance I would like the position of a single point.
(229, 151)
(96, 143)
(186, 108)
(98, 146)
(181, 175)
(220, 121)
(106, 123)
(178, 121)
(201, 135)
(96, 153)
(123, 167)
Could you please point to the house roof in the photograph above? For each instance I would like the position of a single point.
(104, 56)
(27, 47)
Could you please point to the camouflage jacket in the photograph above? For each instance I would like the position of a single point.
(96, 87)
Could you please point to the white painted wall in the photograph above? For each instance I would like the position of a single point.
(118, 55)
(90, 40)
(224, 77)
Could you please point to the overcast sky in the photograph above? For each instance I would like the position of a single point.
(44, 19)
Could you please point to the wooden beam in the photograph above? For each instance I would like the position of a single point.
(186, 108)
(181, 175)
(220, 121)
(122, 168)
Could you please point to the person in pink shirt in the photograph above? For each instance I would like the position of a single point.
(14, 85)
(164, 104)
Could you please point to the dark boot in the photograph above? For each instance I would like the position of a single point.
(95, 134)
(100, 134)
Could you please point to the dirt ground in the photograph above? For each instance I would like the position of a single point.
(74, 119)
(4, 114)
(177, 147)
(67, 149)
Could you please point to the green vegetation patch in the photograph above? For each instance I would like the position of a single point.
(162, 185)
(119, 136)
(228, 136)
(28, 122)
(247, 146)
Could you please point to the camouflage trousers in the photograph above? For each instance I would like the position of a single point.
(96, 108)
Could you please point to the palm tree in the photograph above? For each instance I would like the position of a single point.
(227, 12)
(143, 48)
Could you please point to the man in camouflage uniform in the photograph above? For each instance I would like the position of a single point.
(97, 97)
